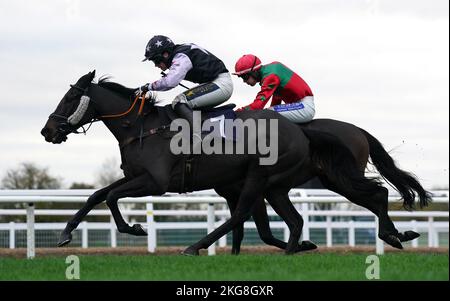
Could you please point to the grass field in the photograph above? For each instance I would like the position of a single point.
(400, 266)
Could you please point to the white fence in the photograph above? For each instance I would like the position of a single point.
(305, 200)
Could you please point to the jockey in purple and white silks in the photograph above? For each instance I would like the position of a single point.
(192, 63)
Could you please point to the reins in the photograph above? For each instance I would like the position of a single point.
(141, 107)
(143, 134)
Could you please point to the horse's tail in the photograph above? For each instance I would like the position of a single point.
(335, 161)
(404, 182)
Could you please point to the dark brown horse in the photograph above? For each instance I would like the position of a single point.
(363, 146)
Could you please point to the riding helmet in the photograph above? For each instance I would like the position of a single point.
(157, 46)
(246, 64)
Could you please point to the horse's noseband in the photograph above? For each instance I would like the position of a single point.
(65, 126)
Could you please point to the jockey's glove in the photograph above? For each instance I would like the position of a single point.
(142, 89)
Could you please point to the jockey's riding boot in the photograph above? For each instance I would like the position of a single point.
(184, 111)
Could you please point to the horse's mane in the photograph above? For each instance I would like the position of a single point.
(119, 89)
(115, 87)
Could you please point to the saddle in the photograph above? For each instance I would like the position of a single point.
(211, 115)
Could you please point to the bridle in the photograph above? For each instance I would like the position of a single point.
(55, 116)
(66, 126)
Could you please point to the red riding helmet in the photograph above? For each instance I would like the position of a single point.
(247, 63)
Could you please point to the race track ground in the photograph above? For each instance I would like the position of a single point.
(268, 265)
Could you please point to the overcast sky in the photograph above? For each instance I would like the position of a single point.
(380, 64)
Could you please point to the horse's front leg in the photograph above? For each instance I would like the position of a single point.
(142, 185)
(95, 199)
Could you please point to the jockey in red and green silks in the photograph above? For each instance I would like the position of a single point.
(279, 83)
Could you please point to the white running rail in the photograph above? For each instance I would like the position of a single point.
(304, 200)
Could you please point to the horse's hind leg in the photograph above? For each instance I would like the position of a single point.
(377, 203)
(238, 233)
(386, 226)
(261, 219)
(95, 199)
(280, 202)
(231, 195)
(247, 198)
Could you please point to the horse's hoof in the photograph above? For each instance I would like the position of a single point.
(190, 252)
(138, 230)
(306, 245)
(64, 239)
(392, 240)
(408, 235)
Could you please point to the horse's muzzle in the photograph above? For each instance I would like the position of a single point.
(53, 136)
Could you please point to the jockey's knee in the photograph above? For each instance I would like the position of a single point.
(181, 98)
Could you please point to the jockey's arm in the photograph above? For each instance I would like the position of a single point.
(276, 100)
(181, 64)
(268, 87)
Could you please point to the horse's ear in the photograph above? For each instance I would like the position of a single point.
(92, 75)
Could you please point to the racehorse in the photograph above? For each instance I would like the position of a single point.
(362, 145)
(151, 169)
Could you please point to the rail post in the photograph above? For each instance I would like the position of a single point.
(223, 239)
(329, 232)
(286, 232)
(379, 246)
(430, 232)
(30, 231)
(211, 219)
(351, 233)
(305, 214)
(151, 229)
(414, 242)
(84, 235)
(12, 235)
(113, 232)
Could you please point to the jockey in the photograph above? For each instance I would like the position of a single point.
(192, 63)
(280, 83)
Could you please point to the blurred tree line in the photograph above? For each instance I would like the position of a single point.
(28, 175)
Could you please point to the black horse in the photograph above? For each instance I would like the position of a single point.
(151, 169)
(362, 145)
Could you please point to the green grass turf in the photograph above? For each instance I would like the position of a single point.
(404, 266)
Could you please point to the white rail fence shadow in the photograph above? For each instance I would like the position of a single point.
(307, 202)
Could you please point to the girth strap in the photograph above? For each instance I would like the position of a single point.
(187, 174)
